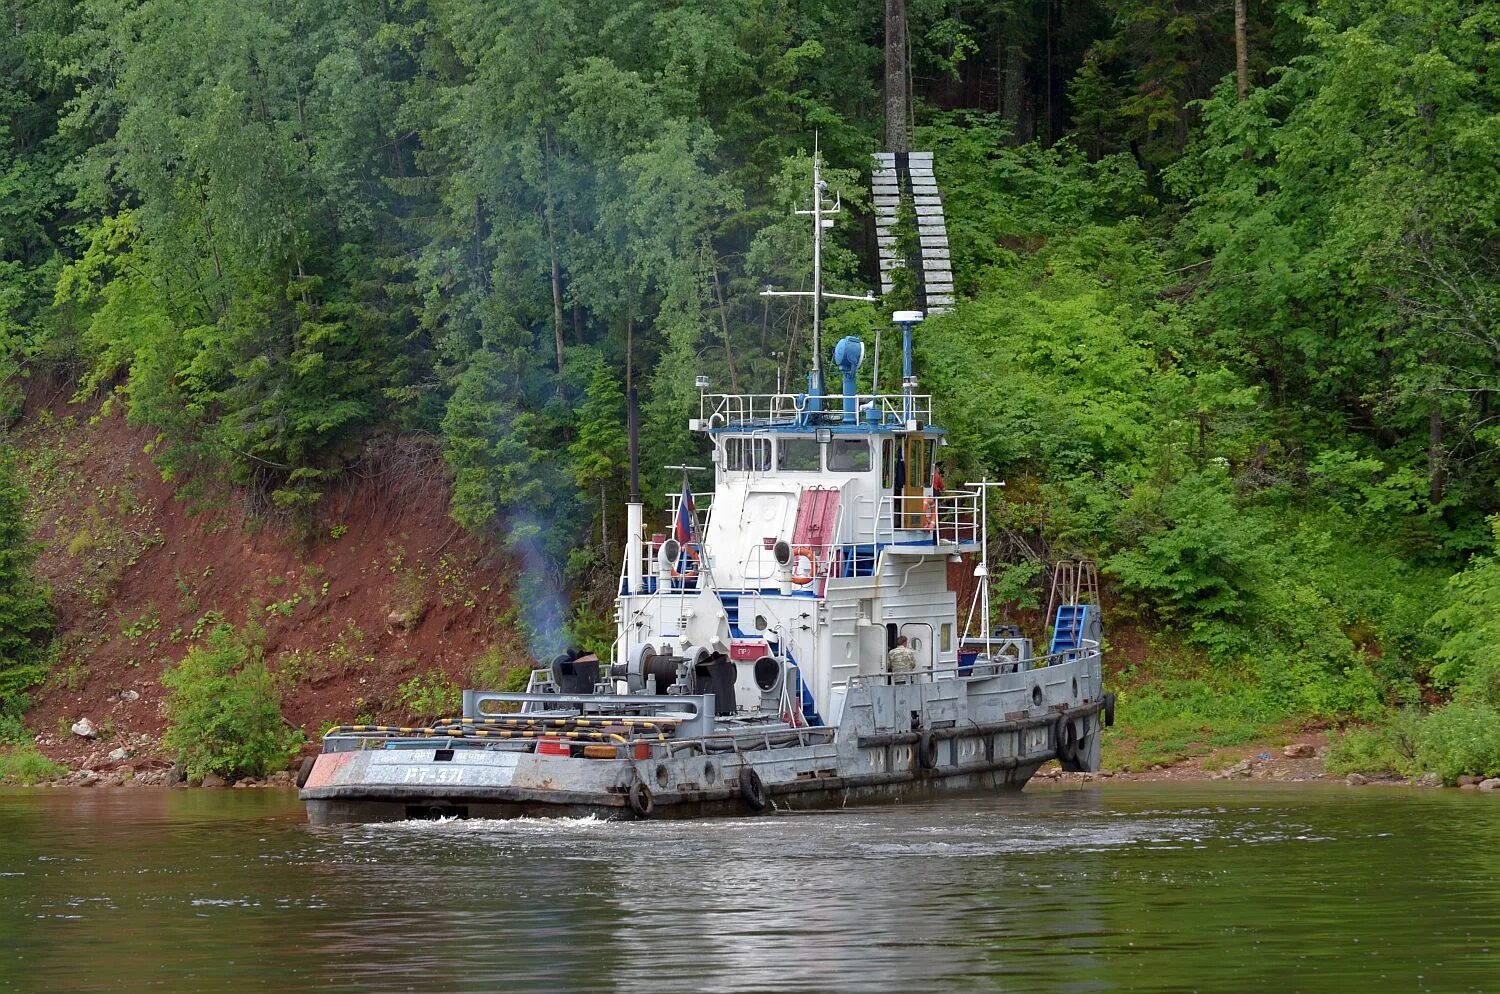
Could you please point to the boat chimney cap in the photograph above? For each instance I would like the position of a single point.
(907, 317)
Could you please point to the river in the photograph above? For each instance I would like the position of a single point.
(1109, 887)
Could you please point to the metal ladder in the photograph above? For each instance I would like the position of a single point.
(1074, 595)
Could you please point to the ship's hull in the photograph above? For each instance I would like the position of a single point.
(365, 805)
(893, 743)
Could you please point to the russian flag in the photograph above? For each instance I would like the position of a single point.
(685, 528)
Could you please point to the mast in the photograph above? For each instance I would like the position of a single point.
(820, 212)
(982, 571)
(817, 301)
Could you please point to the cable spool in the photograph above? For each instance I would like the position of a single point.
(663, 666)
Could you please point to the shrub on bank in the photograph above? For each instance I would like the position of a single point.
(224, 710)
(1461, 738)
(24, 764)
(1388, 749)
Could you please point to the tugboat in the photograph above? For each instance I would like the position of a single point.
(791, 640)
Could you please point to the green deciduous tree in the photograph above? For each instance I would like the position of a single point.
(224, 711)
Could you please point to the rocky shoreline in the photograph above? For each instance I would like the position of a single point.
(173, 776)
(1297, 762)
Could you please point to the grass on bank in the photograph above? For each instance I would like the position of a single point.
(24, 764)
(1177, 705)
(1179, 719)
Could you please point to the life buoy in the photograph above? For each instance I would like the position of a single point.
(752, 789)
(927, 752)
(929, 513)
(690, 572)
(639, 799)
(800, 553)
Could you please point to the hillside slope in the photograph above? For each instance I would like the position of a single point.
(380, 613)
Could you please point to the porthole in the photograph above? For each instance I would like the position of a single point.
(1075, 688)
(710, 774)
(1036, 696)
(662, 776)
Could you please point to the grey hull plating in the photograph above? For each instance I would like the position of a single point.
(894, 742)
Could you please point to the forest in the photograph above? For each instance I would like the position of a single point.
(1228, 279)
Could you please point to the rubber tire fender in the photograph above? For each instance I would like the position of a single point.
(752, 789)
(639, 799)
(1067, 740)
(305, 770)
(927, 752)
(1109, 710)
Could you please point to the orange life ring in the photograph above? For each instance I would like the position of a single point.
(691, 572)
(929, 513)
(803, 552)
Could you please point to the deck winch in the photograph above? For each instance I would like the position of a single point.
(694, 670)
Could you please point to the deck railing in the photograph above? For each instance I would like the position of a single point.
(756, 409)
(979, 669)
(953, 518)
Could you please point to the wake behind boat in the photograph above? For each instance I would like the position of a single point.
(791, 640)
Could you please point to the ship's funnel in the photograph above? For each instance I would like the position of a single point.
(848, 356)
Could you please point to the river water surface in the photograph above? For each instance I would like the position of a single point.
(1118, 887)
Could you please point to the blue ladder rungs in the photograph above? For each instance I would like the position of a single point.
(1067, 631)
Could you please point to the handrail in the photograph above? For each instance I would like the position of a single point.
(734, 410)
(954, 515)
(978, 669)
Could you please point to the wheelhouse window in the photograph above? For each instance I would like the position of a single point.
(742, 454)
(849, 455)
(798, 455)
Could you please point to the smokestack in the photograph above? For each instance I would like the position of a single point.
(635, 514)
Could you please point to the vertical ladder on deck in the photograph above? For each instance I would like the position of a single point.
(1073, 606)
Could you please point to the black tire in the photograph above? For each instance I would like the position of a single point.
(305, 770)
(1067, 741)
(1109, 710)
(639, 799)
(752, 789)
(927, 752)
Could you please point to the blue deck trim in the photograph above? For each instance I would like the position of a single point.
(839, 428)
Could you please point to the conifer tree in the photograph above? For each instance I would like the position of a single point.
(25, 605)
